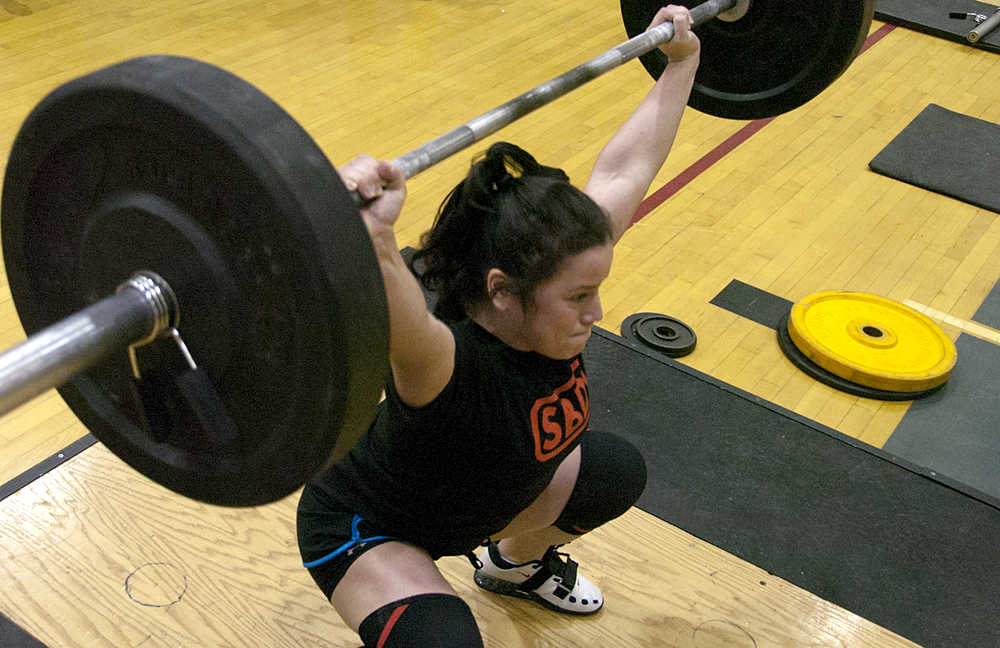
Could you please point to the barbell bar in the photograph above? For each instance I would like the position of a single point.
(218, 206)
(138, 312)
(458, 139)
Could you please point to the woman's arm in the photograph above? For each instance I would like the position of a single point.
(421, 347)
(632, 158)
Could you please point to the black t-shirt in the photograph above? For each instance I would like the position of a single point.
(450, 474)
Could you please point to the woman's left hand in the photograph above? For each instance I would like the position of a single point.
(684, 44)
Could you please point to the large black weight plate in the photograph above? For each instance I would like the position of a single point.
(778, 56)
(810, 368)
(176, 166)
(657, 332)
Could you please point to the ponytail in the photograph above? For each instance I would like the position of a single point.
(510, 213)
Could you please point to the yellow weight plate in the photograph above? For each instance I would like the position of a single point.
(872, 341)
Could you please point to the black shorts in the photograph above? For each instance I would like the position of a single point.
(331, 538)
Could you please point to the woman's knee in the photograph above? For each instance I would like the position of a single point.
(426, 620)
(612, 477)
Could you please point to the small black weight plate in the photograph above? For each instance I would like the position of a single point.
(667, 335)
(175, 166)
(810, 368)
(774, 59)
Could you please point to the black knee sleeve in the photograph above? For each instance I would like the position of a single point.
(426, 620)
(612, 477)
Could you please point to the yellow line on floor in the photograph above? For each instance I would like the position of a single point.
(972, 328)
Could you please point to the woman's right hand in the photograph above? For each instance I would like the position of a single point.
(382, 188)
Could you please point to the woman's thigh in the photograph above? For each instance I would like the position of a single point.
(597, 482)
(386, 573)
(356, 565)
(542, 512)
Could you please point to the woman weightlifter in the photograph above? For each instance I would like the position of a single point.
(483, 439)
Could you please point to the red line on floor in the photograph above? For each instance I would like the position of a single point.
(661, 195)
(875, 37)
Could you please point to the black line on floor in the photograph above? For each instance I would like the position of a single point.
(45, 466)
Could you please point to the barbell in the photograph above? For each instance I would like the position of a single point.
(163, 187)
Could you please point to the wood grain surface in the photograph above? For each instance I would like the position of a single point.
(94, 554)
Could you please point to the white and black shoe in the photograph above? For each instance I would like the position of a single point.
(552, 581)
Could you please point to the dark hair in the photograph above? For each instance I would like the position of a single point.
(509, 213)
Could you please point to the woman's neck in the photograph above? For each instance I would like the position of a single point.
(504, 325)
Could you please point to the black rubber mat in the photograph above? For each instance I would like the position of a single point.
(752, 303)
(13, 636)
(989, 311)
(955, 432)
(852, 524)
(933, 17)
(949, 153)
(951, 434)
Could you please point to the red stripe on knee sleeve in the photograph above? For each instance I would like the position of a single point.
(393, 618)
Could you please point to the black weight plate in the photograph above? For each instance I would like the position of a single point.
(810, 368)
(667, 335)
(777, 57)
(176, 166)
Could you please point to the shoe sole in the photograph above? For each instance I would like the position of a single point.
(507, 588)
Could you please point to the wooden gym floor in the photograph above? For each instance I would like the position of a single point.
(792, 211)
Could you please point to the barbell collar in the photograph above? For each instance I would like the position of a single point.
(142, 309)
(458, 139)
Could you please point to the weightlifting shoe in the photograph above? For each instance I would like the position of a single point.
(552, 581)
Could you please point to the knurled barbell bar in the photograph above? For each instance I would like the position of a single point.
(179, 189)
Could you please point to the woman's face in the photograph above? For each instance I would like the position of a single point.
(567, 305)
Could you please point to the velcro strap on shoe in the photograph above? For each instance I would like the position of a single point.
(537, 579)
(569, 574)
(552, 565)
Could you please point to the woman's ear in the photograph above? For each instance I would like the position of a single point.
(498, 290)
